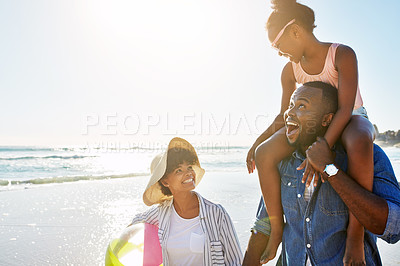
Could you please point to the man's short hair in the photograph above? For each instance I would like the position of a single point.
(329, 95)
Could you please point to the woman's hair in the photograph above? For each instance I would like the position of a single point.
(286, 10)
(175, 157)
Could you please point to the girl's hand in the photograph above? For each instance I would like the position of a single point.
(309, 173)
(250, 160)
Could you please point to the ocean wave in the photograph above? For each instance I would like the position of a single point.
(64, 179)
(45, 157)
(6, 148)
(38, 148)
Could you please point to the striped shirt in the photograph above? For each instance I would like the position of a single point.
(221, 242)
(328, 75)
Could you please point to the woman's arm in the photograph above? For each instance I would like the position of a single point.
(150, 216)
(346, 65)
(230, 242)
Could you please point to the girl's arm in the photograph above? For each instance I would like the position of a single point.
(288, 87)
(346, 65)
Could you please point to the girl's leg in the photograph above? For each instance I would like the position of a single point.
(357, 138)
(268, 155)
(255, 249)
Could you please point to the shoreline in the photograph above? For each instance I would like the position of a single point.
(61, 180)
(387, 144)
(388, 138)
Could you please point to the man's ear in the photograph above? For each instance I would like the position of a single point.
(327, 119)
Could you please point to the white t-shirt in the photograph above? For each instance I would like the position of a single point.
(185, 244)
(308, 192)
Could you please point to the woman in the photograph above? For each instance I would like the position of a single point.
(192, 230)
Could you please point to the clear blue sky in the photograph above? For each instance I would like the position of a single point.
(170, 67)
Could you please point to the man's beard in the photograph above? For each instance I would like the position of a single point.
(294, 144)
(299, 143)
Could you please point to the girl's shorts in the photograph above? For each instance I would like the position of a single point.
(361, 111)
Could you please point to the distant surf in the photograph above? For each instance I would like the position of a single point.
(21, 167)
(44, 157)
(51, 180)
(25, 166)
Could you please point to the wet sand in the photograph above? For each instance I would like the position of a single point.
(72, 223)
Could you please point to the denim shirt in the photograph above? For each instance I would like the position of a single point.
(317, 228)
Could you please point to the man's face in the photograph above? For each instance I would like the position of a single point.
(303, 118)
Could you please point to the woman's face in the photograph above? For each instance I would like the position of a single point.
(287, 44)
(181, 179)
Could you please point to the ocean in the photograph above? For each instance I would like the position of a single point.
(26, 166)
(21, 167)
(53, 213)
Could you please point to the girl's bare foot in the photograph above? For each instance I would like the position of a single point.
(273, 243)
(354, 254)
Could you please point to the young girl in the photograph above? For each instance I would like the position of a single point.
(290, 30)
(192, 230)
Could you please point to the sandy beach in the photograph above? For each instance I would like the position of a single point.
(93, 90)
(72, 223)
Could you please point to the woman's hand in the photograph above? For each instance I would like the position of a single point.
(250, 160)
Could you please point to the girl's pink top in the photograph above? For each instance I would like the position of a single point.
(328, 75)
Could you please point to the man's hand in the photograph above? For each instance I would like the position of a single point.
(319, 155)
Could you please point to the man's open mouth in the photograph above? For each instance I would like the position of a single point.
(292, 129)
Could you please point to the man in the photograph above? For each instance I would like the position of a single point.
(317, 218)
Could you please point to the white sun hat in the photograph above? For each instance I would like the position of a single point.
(152, 193)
